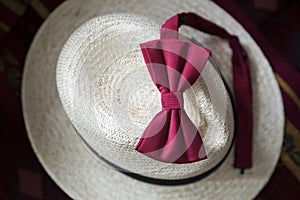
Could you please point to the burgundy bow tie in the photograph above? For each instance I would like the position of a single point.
(174, 65)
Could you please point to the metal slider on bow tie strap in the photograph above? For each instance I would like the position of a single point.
(174, 65)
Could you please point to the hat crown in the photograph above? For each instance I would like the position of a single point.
(107, 92)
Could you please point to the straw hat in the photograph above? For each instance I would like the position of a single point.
(87, 97)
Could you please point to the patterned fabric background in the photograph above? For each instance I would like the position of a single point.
(21, 175)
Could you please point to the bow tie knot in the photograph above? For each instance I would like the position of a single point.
(172, 100)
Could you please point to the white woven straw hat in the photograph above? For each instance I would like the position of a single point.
(87, 97)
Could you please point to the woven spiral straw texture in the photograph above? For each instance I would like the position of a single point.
(94, 79)
(110, 98)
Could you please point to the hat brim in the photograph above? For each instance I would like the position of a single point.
(79, 173)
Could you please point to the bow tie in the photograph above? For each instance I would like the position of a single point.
(171, 136)
(174, 66)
